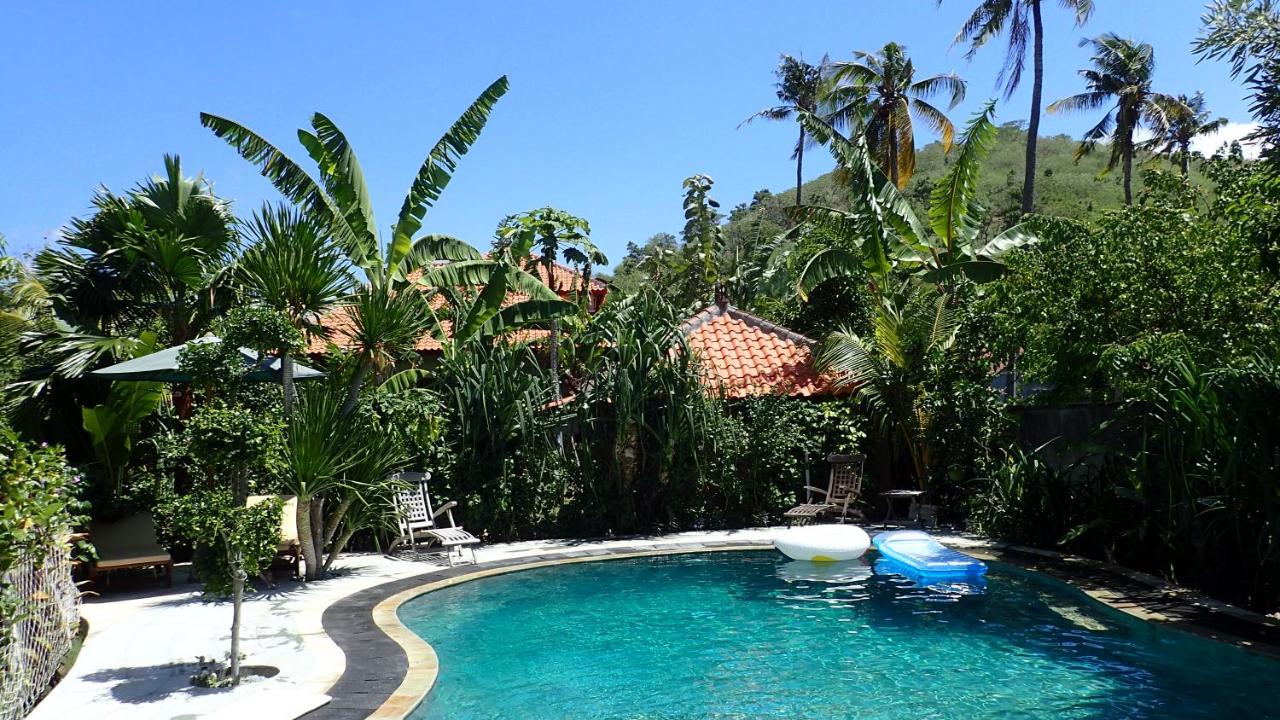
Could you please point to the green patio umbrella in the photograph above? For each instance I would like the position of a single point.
(162, 366)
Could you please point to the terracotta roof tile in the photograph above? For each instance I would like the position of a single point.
(339, 325)
(745, 355)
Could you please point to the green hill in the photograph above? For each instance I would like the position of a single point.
(1065, 187)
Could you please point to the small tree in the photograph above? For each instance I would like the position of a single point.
(232, 542)
(228, 440)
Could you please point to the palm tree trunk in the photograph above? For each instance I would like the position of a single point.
(1128, 170)
(1185, 160)
(305, 539)
(353, 391)
(286, 382)
(799, 165)
(1033, 125)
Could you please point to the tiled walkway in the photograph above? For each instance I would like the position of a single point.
(142, 647)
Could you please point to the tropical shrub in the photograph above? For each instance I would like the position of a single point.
(1095, 311)
(781, 446)
(38, 497)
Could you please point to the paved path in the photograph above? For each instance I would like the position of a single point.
(142, 647)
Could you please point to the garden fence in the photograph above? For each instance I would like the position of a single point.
(39, 619)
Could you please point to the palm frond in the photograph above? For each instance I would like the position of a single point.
(437, 170)
(953, 208)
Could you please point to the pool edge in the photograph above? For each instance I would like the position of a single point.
(1132, 593)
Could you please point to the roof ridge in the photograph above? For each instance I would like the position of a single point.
(700, 318)
(762, 324)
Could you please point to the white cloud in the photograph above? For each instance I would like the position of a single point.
(1231, 132)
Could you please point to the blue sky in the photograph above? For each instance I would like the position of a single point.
(611, 105)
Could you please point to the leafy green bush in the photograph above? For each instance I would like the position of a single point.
(1094, 311)
(228, 538)
(38, 497)
(767, 448)
(38, 509)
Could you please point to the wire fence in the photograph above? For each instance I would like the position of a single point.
(39, 618)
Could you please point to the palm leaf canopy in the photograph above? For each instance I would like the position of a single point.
(341, 201)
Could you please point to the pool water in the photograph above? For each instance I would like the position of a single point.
(752, 634)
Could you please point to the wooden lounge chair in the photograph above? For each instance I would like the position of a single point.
(128, 544)
(417, 519)
(290, 548)
(843, 489)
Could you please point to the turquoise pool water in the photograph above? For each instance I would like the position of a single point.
(752, 634)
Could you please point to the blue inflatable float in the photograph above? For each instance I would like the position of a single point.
(926, 556)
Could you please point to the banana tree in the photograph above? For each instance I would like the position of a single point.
(340, 202)
(886, 233)
(388, 320)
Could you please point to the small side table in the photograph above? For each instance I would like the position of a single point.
(891, 496)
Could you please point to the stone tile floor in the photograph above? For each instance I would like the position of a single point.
(143, 645)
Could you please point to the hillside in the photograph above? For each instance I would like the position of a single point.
(1065, 187)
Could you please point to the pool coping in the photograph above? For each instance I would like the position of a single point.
(367, 628)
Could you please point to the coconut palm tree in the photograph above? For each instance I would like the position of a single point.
(1121, 74)
(878, 94)
(1186, 126)
(1022, 21)
(797, 88)
(292, 266)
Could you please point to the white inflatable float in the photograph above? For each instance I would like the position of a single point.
(823, 543)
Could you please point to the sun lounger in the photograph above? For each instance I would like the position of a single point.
(417, 519)
(843, 488)
(290, 547)
(125, 545)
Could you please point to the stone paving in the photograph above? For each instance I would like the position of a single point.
(142, 647)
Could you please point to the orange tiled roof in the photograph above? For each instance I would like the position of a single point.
(746, 355)
(340, 325)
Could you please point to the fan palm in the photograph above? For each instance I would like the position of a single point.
(157, 254)
(292, 267)
(879, 93)
(798, 86)
(1121, 74)
(1021, 19)
(153, 259)
(1190, 121)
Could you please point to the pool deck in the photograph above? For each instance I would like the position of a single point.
(342, 653)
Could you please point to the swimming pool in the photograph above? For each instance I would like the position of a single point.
(752, 634)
